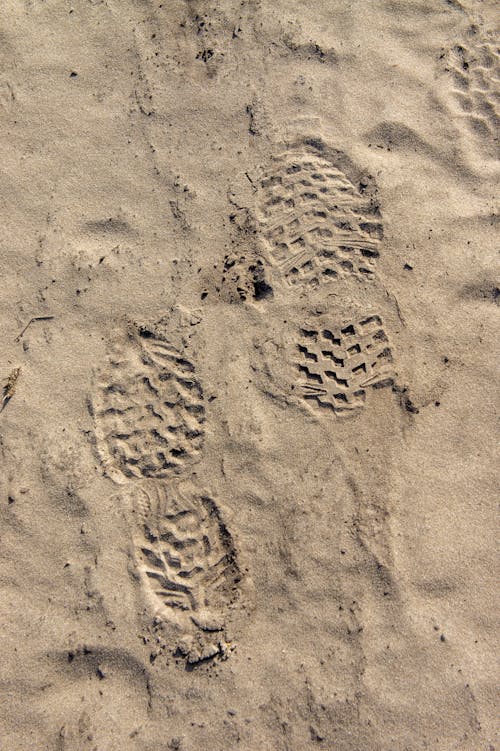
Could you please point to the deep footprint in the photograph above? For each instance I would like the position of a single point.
(317, 223)
(338, 364)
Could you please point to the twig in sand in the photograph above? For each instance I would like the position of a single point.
(400, 315)
(9, 388)
(35, 318)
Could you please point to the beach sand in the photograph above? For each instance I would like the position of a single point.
(247, 438)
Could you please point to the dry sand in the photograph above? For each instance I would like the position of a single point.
(247, 487)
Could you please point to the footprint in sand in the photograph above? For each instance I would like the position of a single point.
(320, 229)
(473, 69)
(317, 223)
(149, 415)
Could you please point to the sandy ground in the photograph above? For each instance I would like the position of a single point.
(248, 465)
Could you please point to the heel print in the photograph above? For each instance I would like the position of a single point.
(187, 562)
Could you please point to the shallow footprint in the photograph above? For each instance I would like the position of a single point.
(148, 409)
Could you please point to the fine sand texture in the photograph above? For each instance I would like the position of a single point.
(249, 344)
